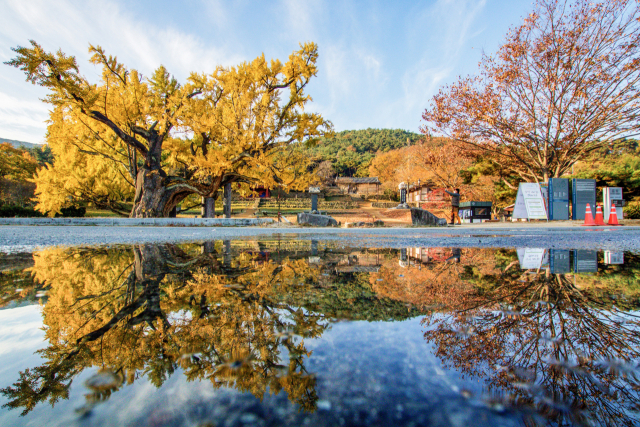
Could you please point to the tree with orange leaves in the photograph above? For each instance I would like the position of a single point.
(438, 161)
(385, 165)
(564, 83)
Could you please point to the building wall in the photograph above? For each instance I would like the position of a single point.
(367, 188)
(358, 188)
(418, 195)
(344, 187)
(436, 201)
(429, 196)
(426, 255)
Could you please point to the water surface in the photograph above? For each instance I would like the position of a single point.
(238, 333)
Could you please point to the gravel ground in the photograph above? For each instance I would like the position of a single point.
(29, 238)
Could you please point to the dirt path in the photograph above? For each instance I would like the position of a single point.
(248, 213)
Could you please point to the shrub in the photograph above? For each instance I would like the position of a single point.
(10, 211)
(632, 210)
(72, 212)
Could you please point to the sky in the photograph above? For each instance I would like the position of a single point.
(380, 62)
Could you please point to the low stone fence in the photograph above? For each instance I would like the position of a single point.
(238, 203)
(384, 205)
(157, 222)
(337, 205)
(286, 203)
(306, 204)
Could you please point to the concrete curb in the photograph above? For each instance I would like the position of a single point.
(158, 222)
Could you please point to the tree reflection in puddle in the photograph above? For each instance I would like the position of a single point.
(554, 348)
(149, 310)
(545, 344)
(229, 322)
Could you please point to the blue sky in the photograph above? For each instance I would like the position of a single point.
(380, 61)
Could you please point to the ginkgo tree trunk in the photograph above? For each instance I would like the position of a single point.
(244, 130)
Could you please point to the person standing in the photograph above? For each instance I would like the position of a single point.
(455, 205)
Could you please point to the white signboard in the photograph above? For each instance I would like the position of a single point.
(613, 257)
(531, 258)
(530, 203)
(609, 194)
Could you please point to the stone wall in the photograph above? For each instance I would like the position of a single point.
(423, 217)
(306, 218)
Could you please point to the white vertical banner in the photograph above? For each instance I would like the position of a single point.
(520, 209)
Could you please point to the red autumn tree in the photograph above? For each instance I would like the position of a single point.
(563, 84)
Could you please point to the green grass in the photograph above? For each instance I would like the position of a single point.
(269, 212)
(99, 213)
(197, 212)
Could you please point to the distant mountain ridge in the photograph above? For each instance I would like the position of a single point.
(19, 144)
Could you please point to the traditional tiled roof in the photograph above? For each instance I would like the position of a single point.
(349, 180)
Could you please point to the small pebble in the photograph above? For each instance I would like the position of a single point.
(103, 380)
(324, 405)
(248, 418)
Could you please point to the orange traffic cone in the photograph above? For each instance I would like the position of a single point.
(599, 216)
(588, 217)
(613, 216)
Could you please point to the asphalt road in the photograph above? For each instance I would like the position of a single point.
(30, 238)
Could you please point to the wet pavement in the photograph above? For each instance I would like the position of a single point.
(279, 331)
(29, 238)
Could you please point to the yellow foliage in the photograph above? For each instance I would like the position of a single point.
(16, 164)
(245, 124)
(111, 308)
(17, 167)
(91, 165)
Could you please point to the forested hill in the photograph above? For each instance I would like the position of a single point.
(19, 144)
(351, 151)
(42, 153)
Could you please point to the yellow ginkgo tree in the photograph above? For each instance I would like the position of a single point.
(165, 141)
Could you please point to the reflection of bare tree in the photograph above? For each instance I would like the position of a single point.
(153, 309)
(556, 350)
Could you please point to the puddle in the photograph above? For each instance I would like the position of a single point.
(289, 332)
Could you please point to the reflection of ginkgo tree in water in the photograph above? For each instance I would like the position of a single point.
(545, 345)
(155, 309)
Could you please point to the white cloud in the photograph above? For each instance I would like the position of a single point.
(304, 18)
(217, 14)
(379, 62)
(22, 119)
(446, 42)
(371, 63)
(20, 330)
(71, 26)
(363, 82)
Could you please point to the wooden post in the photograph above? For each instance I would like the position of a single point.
(227, 200)
(208, 207)
(226, 252)
(209, 247)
